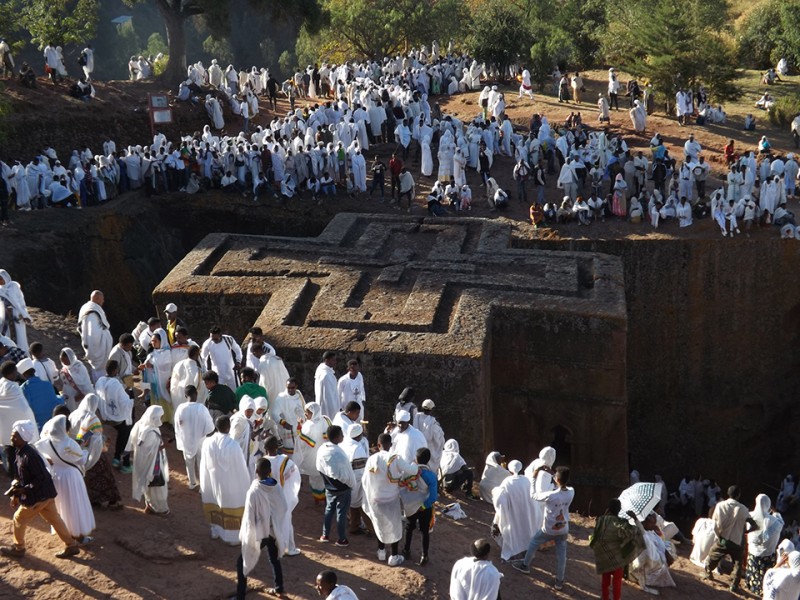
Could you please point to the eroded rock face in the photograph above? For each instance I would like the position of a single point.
(519, 348)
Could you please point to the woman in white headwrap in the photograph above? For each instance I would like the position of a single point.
(513, 519)
(75, 380)
(242, 426)
(159, 370)
(16, 312)
(540, 473)
(454, 470)
(493, 475)
(761, 543)
(87, 429)
(66, 464)
(150, 467)
(783, 581)
(312, 435)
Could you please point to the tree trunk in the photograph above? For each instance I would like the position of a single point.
(176, 39)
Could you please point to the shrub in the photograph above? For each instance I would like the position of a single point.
(784, 110)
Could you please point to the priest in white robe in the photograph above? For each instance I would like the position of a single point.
(288, 412)
(95, 334)
(273, 375)
(224, 480)
(16, 310)
(351, 386)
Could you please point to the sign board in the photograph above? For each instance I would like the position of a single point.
(159, 110)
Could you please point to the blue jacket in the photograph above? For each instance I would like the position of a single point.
(429, 477)
(42, 399)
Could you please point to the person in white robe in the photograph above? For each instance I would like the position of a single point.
(357, 451)
(328, 587)
(384, 472)
(75, 379)
(312, 435)
(493, 475)
(426, 166)
(272, 375)
(193, 423)
(638, 117)
(16, 311)
(242, 426)
(188, 371)
(475, 577)
(214, 110)
(430, 428)
(334, 466)
(67, 465)
(158, 365)
(525, 84)
(13, 405)
(224, 355)
(288, 412)
(359, 166)
(513, 506)
(703, 538)
(651, 567)
(762, 542)
(95, 333)
(150, 467)
(263, 516)
(540, 472)
(325, 385)
(783, 581)
(350, 386)
(287, 474)
(406, 439)
(224, 480)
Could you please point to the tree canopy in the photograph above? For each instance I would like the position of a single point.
(56, 22)
(499, 34)
(771, 31)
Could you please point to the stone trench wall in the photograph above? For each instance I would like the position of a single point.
(713, 362)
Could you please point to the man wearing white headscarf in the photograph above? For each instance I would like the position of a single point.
(357, 451)
(13, 406)
(406, 439)
(427, 424)
(261, 528)
(493, 475)
(224, 480)
(150, 467)
(383, 474)
(16, 310)
(475, 577)
(513, 506)
(454, 470)
(783, 582)
(95, 333)
(33, 493)
(242, 426)
(540, 473)
(192, 424)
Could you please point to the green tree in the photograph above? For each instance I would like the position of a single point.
(217, 17)
(376, 28)
(674, 44)
(770, 32)
(499, 34)
(59, 22)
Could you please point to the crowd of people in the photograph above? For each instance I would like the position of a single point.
(252, 443)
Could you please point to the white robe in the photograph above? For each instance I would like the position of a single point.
(406, 443)
(514, 514)
(325, 390)
(473, 579)
(289, 409)
(67, 464)
(351, 389)
(186, 372)
(263, 514)
(286, 472)
(359, 165)
(193, 423)
(273, 375)
(11, 294)
(224, 480)
(13, 407)
(382, 474)
(95, 336)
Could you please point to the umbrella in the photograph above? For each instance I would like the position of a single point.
(641, 498)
